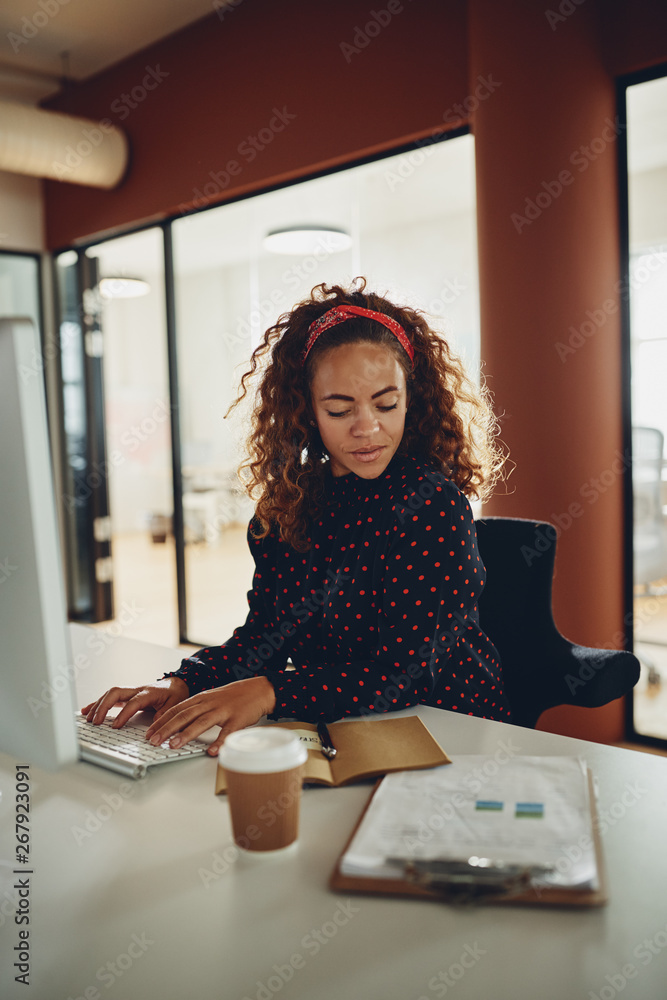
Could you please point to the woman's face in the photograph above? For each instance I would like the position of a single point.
(358, 395)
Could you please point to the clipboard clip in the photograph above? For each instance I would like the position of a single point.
(470, 880)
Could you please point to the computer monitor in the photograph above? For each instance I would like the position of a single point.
(37, 697)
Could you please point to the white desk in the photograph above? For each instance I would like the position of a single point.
(130, 892)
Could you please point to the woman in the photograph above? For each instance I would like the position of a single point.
(367, 439)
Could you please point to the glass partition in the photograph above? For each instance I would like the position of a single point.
(647, 204)
(410, 223)
(130, 298)
(75, 498)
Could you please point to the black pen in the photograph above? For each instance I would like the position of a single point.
(328, 748)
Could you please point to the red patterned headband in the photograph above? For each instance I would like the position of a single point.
(341, 313)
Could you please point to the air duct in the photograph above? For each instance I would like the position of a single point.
(61, 147)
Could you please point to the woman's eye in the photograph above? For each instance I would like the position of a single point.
(343, 413)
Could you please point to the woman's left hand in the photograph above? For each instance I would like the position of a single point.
(233, 706)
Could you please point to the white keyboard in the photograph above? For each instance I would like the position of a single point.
(125, 750)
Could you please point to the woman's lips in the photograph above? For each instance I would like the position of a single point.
(369, 456)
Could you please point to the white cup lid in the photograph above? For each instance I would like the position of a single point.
(262, 749)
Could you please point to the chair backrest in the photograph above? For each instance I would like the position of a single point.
(647, 449)
(649, 529)
(541, 668)
(515, 605)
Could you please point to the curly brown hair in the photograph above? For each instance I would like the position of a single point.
(449, 422)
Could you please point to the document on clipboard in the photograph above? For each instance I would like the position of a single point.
(524, 830)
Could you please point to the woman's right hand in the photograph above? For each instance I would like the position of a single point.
(161, 695)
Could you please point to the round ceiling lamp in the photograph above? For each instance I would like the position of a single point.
(67, 258)
(123, 288)
(307, 239)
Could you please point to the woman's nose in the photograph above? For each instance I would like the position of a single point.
(365, 423)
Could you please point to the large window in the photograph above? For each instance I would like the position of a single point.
(647, 214)
(130, 297)
(410, 220)
(160, 369)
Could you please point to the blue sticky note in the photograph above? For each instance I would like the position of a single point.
(534, 810)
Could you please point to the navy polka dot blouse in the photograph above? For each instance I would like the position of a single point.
(379, 614)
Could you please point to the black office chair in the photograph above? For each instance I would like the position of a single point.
(541, 668)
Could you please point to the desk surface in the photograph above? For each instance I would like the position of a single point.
(138, 892)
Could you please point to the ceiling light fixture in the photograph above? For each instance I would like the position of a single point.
(307, 239)
(123, 287)
(67, 258)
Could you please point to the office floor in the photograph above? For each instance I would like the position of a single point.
(217, 580)
(219, 576)
(651, 648)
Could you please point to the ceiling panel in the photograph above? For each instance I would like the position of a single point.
(94, 34)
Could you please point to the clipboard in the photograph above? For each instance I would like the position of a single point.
(518, 891)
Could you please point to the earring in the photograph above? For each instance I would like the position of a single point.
(312, 423)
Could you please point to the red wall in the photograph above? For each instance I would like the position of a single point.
(227, 76)
(547, 196)
(561, 412)
(633, 34)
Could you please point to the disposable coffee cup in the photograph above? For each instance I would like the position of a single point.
(264, 771)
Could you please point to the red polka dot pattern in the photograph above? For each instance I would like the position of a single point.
(379, 614)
